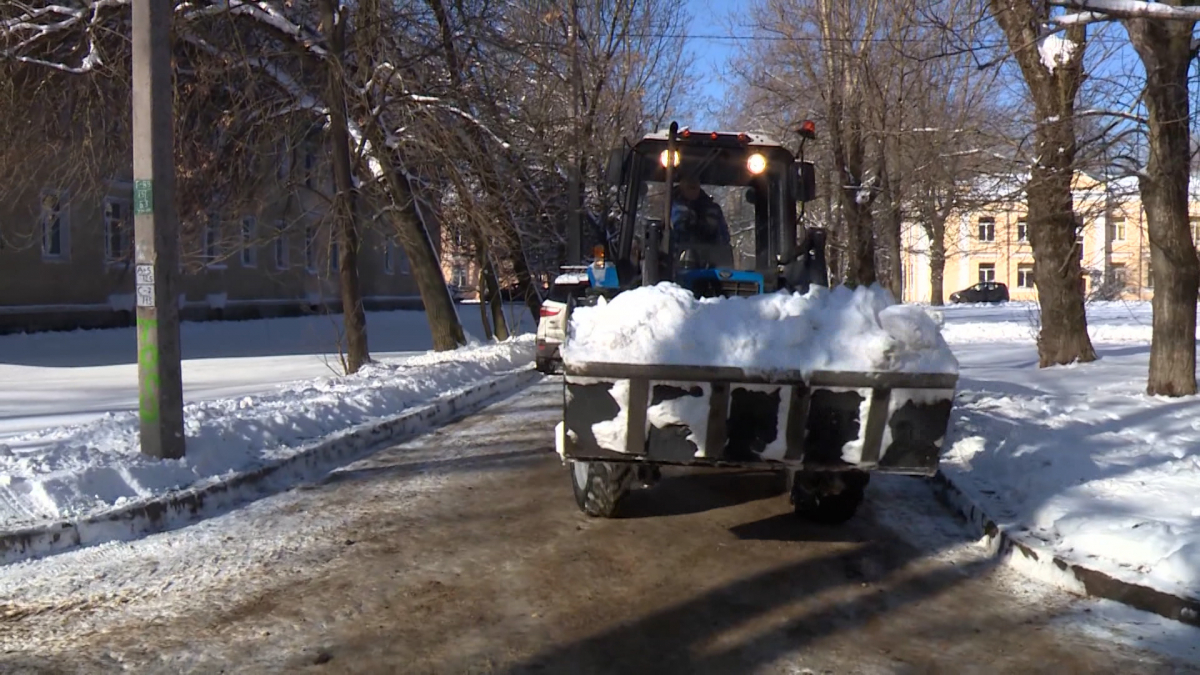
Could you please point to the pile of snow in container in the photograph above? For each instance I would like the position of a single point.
(839, 329)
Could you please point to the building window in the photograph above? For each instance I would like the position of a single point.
(118, 230)
(310, 248)
(1149, 275)
(53, 224)
(405, 268)
(212, 242)
(1116, 228)
(1117, 272)
(334, 254)
(1025, 276)
(987, 229)
(1022, 230)
(280, 247)
(1079, 245)
(1195, 229)
(987, 272)
(249, 245)
(389, 255)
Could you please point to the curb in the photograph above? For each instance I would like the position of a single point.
(181, 507)
(1033, 558)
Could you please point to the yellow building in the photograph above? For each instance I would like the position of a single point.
(991, 244)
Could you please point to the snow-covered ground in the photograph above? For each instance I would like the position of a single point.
(1079, 456)
(256, 391)
(55, 379)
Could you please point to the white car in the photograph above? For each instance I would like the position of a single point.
(552, 324)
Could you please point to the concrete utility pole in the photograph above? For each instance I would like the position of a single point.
(156, 232)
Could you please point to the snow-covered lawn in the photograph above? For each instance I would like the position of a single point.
(55, 379)
(256, 391)
(1078, 456)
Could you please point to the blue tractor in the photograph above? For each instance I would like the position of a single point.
(797, 423)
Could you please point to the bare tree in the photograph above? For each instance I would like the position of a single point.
(1162, 35)
(1052, 67)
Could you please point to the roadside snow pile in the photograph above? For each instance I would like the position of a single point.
(1080, 459)
(82, 469)
(835, 329)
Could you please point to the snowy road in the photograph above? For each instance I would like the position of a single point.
(463, 551)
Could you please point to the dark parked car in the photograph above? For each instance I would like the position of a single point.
(984, 291)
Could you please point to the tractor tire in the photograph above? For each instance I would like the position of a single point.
(600, 486)
(832, 508)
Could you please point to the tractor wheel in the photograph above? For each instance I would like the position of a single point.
(833, 499)
(600, 486)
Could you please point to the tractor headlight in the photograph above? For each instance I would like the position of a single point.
(756, 164)
(662, 158)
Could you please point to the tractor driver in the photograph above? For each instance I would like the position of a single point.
(700, 222)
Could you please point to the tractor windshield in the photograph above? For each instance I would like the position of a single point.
(741, 198)
(726, 202)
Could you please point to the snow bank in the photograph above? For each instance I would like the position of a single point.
(1107, 479)
(825, 329)
(1078, 456)
(82, 469)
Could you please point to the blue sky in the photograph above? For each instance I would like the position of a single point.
(711, 17)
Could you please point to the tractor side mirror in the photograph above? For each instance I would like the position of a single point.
(806, 181)
(751, 196)
(615, 173)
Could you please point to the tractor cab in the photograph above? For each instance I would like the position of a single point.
(744, 243)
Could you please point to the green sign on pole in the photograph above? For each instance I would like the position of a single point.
(143, 197)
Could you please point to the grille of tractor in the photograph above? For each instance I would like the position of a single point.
(742, 288)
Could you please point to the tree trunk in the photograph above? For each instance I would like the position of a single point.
(497, 303)
(484, 302)
(414, 236)
(345, 227)
(491, 303)
(1164, 47)
(1052, 224)
(893, 223)
(860, 242)
(937, 262)
(1053, 229)
(895, 245)
(525, 287)
(849, 153)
